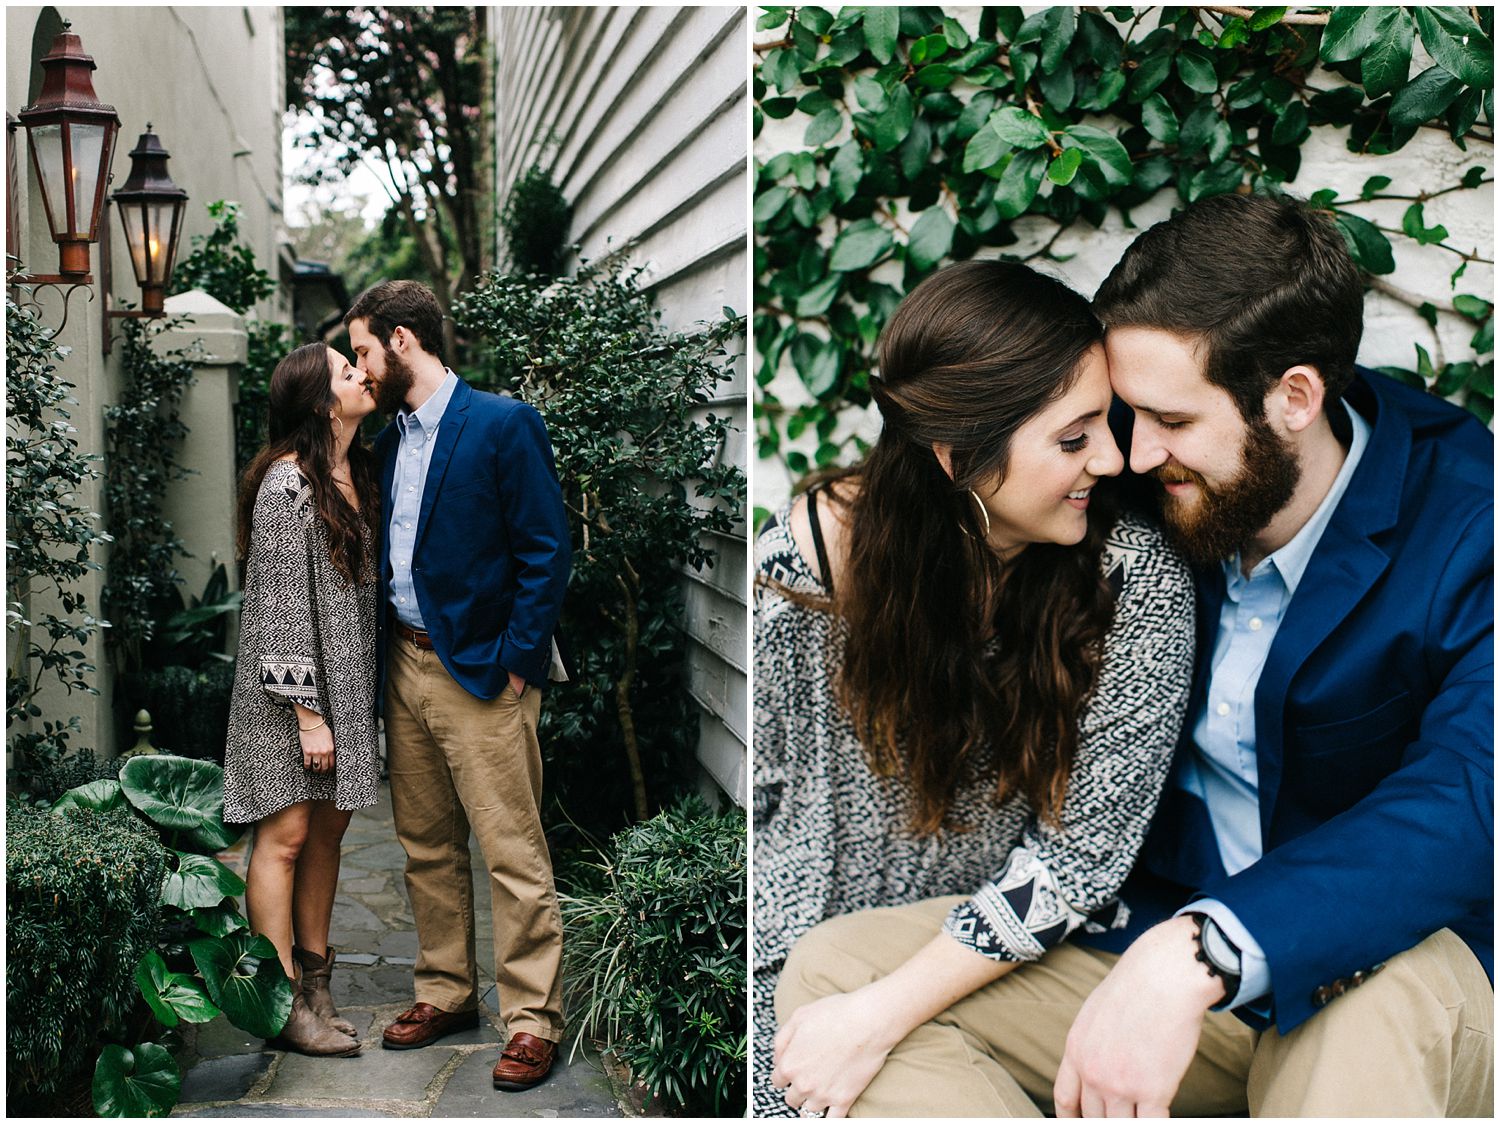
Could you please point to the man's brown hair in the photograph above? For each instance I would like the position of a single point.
(401, 304)
(1264, 282)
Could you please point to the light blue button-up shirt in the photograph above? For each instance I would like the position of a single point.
(418, 429)
(1222, 769)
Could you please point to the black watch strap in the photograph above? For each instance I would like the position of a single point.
(1220, 955)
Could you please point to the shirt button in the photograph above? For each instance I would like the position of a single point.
(407, 526)
(1223, 709)
(403, 601)
(413, 488)
(1255, 623)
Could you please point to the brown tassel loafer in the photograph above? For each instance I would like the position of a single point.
(524, 1062)
(425, 1024)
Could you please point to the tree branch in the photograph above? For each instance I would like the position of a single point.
(1319, 19)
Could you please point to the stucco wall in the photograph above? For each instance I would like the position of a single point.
(641, 113)
(209, 81)
(1429, 162)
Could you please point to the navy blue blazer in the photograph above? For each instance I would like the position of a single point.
(1374, 724)
(492, 552)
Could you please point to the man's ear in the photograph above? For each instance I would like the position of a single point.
(1297, 398)
(944, 454)
(401, 339)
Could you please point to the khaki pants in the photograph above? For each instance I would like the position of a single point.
(455, 762)
(1414, 1040)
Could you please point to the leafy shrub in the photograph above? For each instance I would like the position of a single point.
(189, 709)
(656, 954)
(46, 782)
(535, 219)
(643, 477)
(81, 908)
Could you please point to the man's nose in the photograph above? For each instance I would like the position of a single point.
(1146, 451)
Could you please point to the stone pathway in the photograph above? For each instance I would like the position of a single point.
(229, 1073)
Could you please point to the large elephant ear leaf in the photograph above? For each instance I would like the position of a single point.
(101, 795)
(180, 794)
(245, 978)
(199, 882)
(140, 1082)
(172, 996)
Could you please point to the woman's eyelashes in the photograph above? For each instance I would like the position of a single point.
(1074, 444)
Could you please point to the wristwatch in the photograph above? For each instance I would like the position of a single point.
(1220, 955)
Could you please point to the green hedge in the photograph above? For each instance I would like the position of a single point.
(189, 709)
(81, 909)
(656, 955)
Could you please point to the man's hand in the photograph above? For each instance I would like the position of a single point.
(1138, 1032)
(517, 684)
(829, 1050)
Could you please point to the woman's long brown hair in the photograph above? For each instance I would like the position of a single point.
(301, 401)
(957, 665)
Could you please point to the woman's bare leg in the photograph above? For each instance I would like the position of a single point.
(318, 876)
(280, 839)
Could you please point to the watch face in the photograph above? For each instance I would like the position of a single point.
(1218, 948)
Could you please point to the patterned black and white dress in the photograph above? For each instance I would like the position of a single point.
(306, 636)
(832, 838)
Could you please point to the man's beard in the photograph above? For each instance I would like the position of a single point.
(394, 385)
(1225, 518)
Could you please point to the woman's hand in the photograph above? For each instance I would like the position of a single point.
(317, 748)
(829, 1050)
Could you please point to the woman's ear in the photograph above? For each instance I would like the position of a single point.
(944, 454)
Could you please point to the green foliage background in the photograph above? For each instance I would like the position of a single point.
(1067, 115)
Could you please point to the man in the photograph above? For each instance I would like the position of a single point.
(474, 563)
(1321, 864)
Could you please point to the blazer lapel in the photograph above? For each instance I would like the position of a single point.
(449, 428)
(385, 450)
(1344, 565)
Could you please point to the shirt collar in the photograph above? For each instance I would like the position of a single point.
(1292, 559)
(431, 412)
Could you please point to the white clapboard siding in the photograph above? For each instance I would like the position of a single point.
(641, 115)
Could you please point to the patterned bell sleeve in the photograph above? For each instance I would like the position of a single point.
(768, 708)
(1060, 877)
(280, 588)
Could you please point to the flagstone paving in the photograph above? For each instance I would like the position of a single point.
(228, 1073)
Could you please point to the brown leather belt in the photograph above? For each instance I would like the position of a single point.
(410, 635)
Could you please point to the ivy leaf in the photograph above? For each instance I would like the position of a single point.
(1457, 44)
(892, 126)
(774, 17)
(1373, 186)
(1425, 97)
(1235, 32)
(1370, 249)
(928, 48)
(846, 170)
(1266, 17)
(1059, 23)
(1150, 74)
(1159, 120)
(1388, 61)
(815, 20)
(781, 69)
(823, 128)
(1475, 308)
(870, 94)
(1108, 90)
(768, 204)
(1197, 72)
(1216, 179)
(1414, 225)
(953, 31)
(882, 25)
(1291, 127)
(936, 76)
(1058, 88)
(859, 245)
(931, 238)
(1107, 152)
(984, 151)
(1019, 183)
(1424, 364)
(1065, 166)
(814, 300)
(1484, 340)
(823, 375)
(1017, 127)
(1350, 33)
(1474, 176)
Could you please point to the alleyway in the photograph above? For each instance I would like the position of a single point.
(229, 1073)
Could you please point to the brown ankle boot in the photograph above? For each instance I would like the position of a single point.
(315, 972)
(306, 1033)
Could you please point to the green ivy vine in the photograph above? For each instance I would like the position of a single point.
(1067, 114)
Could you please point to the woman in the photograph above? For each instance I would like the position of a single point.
(969, 674)
(301, 754)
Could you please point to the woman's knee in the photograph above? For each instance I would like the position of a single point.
(831, 958)
(280, 838)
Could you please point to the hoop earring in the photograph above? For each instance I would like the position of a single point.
(984, 513)
(338, 421)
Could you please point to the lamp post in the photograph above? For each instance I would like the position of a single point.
(72, 140)
(151, 208)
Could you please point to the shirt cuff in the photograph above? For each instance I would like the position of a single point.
(1255, 972)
